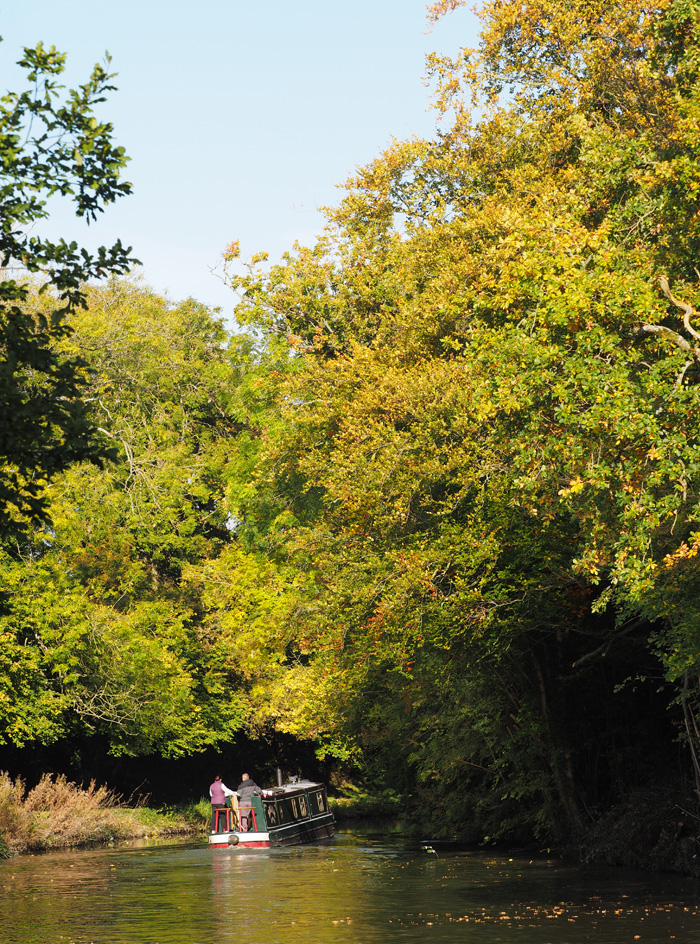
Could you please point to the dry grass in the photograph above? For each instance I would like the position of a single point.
(57, 813)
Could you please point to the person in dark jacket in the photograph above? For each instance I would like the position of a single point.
(246, 789)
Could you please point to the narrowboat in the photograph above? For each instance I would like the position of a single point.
(286, 815)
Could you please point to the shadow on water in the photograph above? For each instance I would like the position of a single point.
(366, 886)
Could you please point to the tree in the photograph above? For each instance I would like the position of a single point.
(489, 443)
(102, 636)
(50, 146)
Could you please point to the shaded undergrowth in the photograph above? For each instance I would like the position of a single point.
(350, 802)
(656, 829)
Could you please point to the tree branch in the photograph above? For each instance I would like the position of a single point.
(684, 307)
(670, 334)
(602, 650)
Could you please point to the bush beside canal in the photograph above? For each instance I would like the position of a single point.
(656, 829)
(57, 814)
(352, 802)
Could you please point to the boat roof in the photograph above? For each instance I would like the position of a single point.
(290, 788)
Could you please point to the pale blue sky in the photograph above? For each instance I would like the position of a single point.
(239, 118)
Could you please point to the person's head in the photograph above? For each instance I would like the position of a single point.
(217, 778)
(245, 777)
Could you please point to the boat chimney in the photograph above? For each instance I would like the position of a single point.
(279, 777)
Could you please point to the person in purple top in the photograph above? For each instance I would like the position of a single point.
(218, 792)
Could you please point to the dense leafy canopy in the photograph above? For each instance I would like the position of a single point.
(437, 510)
(101, 633)
(49, 147)
(489, 453)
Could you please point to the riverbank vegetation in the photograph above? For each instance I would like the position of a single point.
(57, 814)
(352, 803)
(433, 507)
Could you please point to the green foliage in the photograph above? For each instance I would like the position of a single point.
(102, 635)
(437, 510)
(353, 802)
(50, 147)
(488, 441)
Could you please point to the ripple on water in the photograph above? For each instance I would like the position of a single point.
(362, 888)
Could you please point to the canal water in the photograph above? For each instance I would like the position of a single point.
(361, 887)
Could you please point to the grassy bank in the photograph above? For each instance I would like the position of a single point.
(350, 803)
(57, 814)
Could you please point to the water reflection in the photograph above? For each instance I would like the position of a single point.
(360, 888)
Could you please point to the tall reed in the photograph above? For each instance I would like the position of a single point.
(57, 813)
